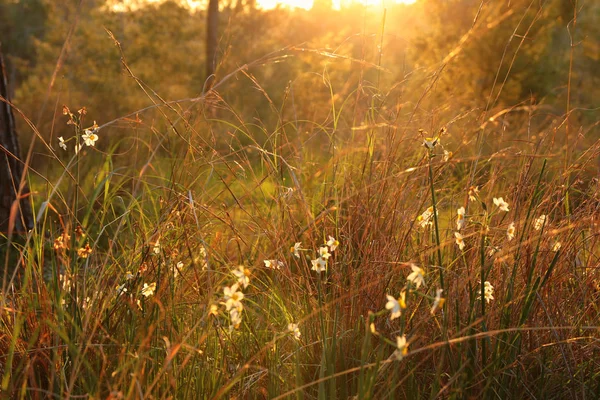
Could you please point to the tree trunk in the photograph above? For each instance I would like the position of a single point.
(15, 210)
(212, 27)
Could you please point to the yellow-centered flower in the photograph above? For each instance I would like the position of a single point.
(510, 232)
(459, 240)
(401, 347)
(416, 276)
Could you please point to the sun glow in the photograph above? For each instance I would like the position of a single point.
(337, 4)
(124, 5)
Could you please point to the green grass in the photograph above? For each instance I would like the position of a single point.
(218, 197)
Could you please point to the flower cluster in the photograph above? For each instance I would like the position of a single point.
(394, 305)
(147, 290)
(319, 264)
(63, 243)
(89, 135)
(233, 304)
(273, 264)
(426, 219)
(84, 252)
(461, 218)
(233, 296)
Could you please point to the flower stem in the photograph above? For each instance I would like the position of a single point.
(437, 229)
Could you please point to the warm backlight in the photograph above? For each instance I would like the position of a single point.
(122, 5)
(307, 4)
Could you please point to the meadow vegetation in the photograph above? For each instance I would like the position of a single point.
(365, 204)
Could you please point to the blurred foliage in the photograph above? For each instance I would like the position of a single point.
(21, 24)
(429, 62)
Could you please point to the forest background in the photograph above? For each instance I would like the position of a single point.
(516, 53)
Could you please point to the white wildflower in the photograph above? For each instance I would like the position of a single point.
(460, 218)
(324, 253)
(273, 264)
(438, 301)
(539, 222)
(488, 291)
(426, 219)
(148, 290)
(447, 155)
(295, 330)
(510, 232)
(243, 275)
(332, 243)
(295, 249)
(319, 265)
(501, 204)
(233, 298)
(459, 240)
(61, 143)
(395, 306)
(416, 276)
(235, 316)
(89, 137)
(401, 347)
